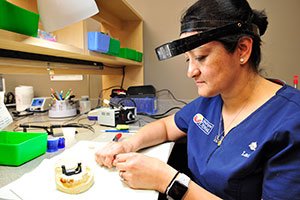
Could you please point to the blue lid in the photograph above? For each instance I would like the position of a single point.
(61, 143)
(52, 144)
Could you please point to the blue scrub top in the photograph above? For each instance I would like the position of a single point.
(259, 158)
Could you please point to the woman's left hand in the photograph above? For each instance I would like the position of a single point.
(144, 172)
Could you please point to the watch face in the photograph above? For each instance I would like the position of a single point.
(177, 190)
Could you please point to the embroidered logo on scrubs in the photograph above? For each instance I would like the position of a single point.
(205, 125)
(252, 146)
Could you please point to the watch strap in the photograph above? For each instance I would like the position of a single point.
(171, 181)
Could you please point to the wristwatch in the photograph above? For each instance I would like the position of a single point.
(178, 187)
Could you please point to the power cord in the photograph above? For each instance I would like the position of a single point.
(172, 95)
(18, 114)
(162, 115)
(116, 86)
(27, 112)
(101, 94)
(49, 129)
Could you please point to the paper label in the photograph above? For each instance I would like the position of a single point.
(5, 117)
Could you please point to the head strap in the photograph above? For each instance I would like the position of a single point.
(202, 25)
(183, 45)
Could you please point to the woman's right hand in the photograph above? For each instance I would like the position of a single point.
(106, 155)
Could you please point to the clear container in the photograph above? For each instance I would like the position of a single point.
(84, 104)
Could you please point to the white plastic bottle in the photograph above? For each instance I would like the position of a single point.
(24, 95)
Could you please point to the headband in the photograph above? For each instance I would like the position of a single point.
(183, 45)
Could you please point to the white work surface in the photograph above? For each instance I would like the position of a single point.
(40, 183)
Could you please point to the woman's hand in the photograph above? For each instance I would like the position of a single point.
(107, 154)
(143, 172)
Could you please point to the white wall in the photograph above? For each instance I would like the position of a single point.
(162, 24)
(281, 45)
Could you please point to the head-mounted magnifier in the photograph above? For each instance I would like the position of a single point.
(183, 45)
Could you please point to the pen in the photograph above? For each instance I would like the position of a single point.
(61, 95)
(67, 94)
(57, 94)
(54, 94)
(114, 131)
(117, 137)
(53, 97)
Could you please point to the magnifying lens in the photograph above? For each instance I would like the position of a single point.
(183, 45)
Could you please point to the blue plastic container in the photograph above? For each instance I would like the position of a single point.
(98, 41)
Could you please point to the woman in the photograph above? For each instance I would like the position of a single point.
(243, 132)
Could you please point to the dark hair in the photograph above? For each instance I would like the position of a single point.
(215, 13)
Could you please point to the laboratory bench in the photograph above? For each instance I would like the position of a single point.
(9, 174)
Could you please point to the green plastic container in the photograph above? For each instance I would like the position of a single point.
(17, 19)
(17, 148)
(139, 56)
(114, 47)
(127, 53)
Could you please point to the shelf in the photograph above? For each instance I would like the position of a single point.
(19, 42)
(116, 17)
